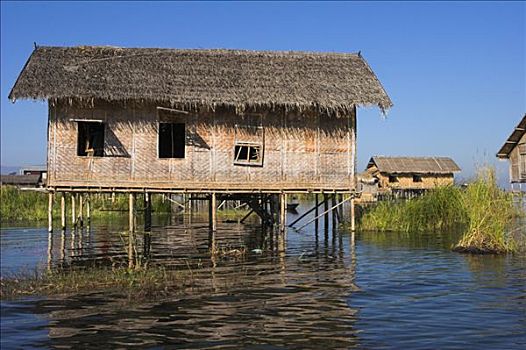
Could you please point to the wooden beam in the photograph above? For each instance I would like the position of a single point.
(326, 212)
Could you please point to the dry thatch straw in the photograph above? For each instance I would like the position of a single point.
(332, 83)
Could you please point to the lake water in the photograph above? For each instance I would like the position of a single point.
(333, 290)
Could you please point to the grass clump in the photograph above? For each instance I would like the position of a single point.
(439, 209)
(136, 284)
(482, 209)
(490, 211)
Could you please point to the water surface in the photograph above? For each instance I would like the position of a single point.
(331, 290)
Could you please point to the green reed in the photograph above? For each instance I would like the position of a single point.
(482, 209)
(490, 211)
(439, 209)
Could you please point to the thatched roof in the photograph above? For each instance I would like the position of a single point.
(514, 138)
(414, 165)
(20, 180)
(331, 82)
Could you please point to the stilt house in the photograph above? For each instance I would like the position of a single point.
(514, 149)
(411, 173)
(170, 120)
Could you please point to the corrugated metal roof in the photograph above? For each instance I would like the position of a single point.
(420, 165)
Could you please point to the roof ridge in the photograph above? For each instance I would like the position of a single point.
(212, 50)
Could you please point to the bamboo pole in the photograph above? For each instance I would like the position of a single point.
(353, 216)
(131, 221)
(63, 211)
(214, 212)
(147, 212)
(50, 212)
(88, 208)
(326, 212)
(81, 207)
(282, 212)
(315, 209)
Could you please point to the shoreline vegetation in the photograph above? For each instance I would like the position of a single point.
(483, 211)
(19, 206)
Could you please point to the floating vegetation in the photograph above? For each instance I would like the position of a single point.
(483, 210)
(136, 284)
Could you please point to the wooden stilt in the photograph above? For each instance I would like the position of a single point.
(214, 212)
(334, 212)
(81, 214)
(131, 220)
(63, 211)
(131, 226)
(88, 209)
(73, 214)
(50, 212)
(326, 215)
(147, 212)
(353, 216)
(49, 250)
(282, 212)
(316, 205)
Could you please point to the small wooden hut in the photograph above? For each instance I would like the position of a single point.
(411, 173)
(514, 150)
(223, 122)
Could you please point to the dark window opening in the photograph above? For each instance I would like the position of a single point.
(393, 178)
(417, 178)
(90, 141)
(171, 140)
(248, 154)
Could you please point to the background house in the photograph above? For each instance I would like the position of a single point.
(411, 173)
(514, 150)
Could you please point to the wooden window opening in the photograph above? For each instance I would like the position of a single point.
(172, 140)
(249, 140)
(90, 139)
(417, 178)
(393, 178)
(248, 154)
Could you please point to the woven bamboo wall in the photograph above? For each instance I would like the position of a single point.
(517, 163)
(301, 152)
(406, 181)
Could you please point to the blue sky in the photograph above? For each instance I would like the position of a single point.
(456, 71)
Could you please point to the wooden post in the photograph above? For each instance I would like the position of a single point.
(88, 209)
(214, 212)
(326, 215)
(63, 211)
(353, 217)
(81, 214)
(50, 212)
(131, 235)
(147, 212)
(73, 214)
(316, 213)
(282, 212)
(131, 221)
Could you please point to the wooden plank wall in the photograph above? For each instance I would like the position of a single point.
(304, 152)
